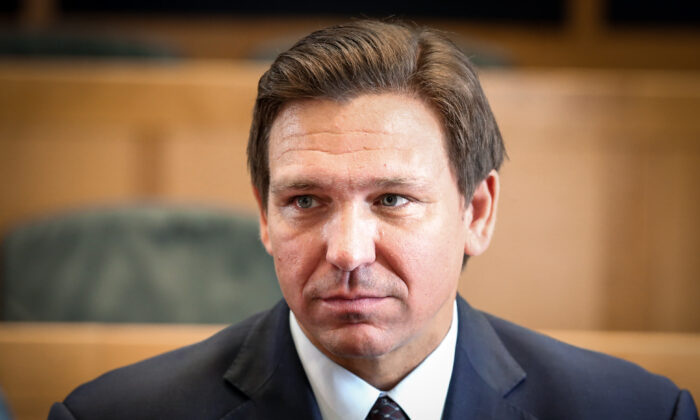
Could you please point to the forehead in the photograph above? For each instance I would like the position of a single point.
(365, 123)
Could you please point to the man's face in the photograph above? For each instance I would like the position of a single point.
(365, 223)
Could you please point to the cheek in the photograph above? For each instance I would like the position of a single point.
(296, 257)
(428, 259)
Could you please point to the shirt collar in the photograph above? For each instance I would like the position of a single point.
(340, 394)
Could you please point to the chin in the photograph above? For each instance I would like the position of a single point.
(357, 344)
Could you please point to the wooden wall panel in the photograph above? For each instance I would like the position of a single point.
(674, 240)
(75, 134)
(595, 226)
(48, 168)
(208, 164)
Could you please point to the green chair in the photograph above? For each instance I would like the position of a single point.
(137, 264)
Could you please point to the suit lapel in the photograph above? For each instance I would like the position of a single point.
(484, 372)
(268, 371)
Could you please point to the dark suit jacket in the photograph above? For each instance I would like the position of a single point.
(502, 371)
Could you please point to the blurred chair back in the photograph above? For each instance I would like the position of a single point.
(143, 264)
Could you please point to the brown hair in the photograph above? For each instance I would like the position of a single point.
(369, 56)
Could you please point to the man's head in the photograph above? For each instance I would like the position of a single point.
(373, 154)
(345, 61)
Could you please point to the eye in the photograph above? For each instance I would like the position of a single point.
(304, 201)
(392, 200)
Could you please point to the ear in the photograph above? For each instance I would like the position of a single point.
(480, 217)
(264, 234)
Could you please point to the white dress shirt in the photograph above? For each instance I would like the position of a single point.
(341, 395)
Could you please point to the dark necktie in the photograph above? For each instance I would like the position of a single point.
(386, 408)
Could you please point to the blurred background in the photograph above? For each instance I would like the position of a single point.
(125, 197)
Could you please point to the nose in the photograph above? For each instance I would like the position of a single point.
(350, 237)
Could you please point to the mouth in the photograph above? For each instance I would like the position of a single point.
(353, 303)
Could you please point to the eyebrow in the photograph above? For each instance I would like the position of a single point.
(306, 184)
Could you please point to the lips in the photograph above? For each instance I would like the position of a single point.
(355, 304)
(354, 296)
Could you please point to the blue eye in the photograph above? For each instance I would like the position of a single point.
(392, 200)
(304, 201)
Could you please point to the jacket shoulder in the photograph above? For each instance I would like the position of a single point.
(184, 383)
(564, 381)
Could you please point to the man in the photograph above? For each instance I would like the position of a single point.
(374, 158)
